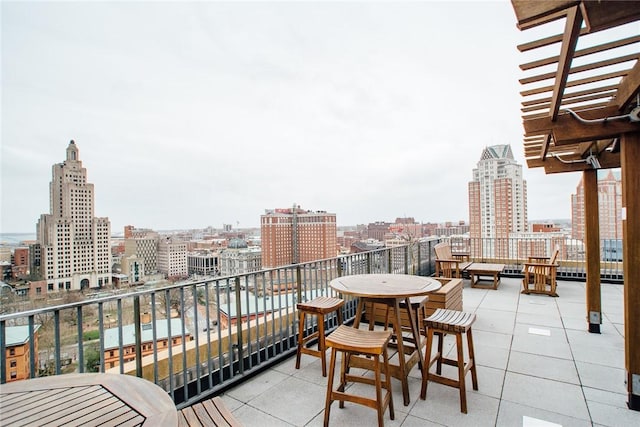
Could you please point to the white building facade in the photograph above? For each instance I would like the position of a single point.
(497, 201)
(74, 245)
(172, 258)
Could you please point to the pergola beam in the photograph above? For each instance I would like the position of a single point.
(569, 42)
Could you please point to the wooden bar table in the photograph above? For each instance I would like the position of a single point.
(389, 289)
(86, 400)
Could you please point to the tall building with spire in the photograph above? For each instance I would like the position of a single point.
(73, 249)
(497, 202)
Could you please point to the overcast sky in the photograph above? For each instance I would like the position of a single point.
(191, 114)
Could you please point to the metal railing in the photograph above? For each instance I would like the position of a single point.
(197, 338)
(192, 338)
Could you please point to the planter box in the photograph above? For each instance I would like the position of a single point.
(448, 296)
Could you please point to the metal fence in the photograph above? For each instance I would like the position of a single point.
(197, 338)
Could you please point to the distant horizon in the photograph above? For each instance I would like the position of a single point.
(14, 233)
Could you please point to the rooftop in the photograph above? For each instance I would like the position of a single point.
(536, 361)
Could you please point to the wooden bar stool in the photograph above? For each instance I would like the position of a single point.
(351, 342)
(442, 322)
(319, 306)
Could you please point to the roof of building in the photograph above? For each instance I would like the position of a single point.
(237, 244)
(111, 336)
(18, 335)
(264, 304)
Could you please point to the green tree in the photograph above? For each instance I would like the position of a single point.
(92, 360)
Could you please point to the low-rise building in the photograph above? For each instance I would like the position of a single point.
(18, 351)
(163, 340)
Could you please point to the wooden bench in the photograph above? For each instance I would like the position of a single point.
(211, 412)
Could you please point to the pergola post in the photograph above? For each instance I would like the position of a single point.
(592, 241)
(630, 159)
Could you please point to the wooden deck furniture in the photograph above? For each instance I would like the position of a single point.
(540, 275)
(446, 264)
(448, 296)
(319, 306)
(209, 413)
(350, 342)
(450, 322)
(86, 399)
(389, 290)
(477, 269)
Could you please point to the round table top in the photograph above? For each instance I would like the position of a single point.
(385, 285)
(72, 397)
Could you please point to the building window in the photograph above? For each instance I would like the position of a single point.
(13, 363)
(12, 352)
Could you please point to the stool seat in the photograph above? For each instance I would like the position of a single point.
(440, 323)
(450, 320)
(346, 338)
(352, 342)
(319, 306)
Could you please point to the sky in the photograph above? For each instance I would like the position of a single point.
(195, 114)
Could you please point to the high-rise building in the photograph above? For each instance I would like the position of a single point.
(609, 208)
(73, 249)
(172, 257)
(497, 202)
(144, 246)
(295, 235)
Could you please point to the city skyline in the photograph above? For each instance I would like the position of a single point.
(210, 112)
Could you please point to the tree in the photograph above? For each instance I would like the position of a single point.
(92, 359)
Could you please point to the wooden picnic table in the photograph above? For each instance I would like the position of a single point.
(86, 400)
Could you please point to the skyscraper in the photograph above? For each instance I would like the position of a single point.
(497, 202)
(609, 208)
(73, 246)
(295, 235)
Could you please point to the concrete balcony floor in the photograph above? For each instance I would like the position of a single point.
(537, 366)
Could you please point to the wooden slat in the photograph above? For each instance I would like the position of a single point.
(582, 52)
(583, 68)
(534, 11)
(574, 94)
(628, 87)
(569, 42)
(579, 82)
(602, 15)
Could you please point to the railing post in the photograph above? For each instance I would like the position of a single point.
(406, 259)
(138, 331)
(368, 262)
(32, 348)
(239, 325)
(298, 284)
(389, 261)
(3, 352)
(80, 340)
(56, 351)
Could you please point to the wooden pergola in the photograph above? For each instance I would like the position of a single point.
(581, 112)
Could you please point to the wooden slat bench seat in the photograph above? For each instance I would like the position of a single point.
(210, 412)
